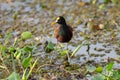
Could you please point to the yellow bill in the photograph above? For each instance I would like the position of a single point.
(53, 23)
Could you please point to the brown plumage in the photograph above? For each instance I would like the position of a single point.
(63, 32)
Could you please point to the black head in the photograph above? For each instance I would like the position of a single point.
(60, 20)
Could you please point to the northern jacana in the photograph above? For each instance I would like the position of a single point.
(63, 32)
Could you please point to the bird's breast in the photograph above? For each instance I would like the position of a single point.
(63, 34)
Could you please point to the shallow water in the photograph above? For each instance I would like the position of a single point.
(27, 8)
(36, 16)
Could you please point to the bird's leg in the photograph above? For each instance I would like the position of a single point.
(66, 48)
(59, 45)
(88, 50)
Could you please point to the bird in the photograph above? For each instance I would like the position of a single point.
(63, 32)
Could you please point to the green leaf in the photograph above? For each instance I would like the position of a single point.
(116, 75)
(114, 1)
(26, 35)
(12, 49)
(14, 76)
(110, 66)
(99, 69)
(7, 37)
(49, 47)
(98, 77)
(3, 49)
(64, 52)
(26, 61)
(90, 68)
(28, 48)
(18, 55)
(102, 6)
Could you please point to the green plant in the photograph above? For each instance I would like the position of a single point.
(108, 74)
(21, 56)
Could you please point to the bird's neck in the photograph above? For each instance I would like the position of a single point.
(64, 24)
